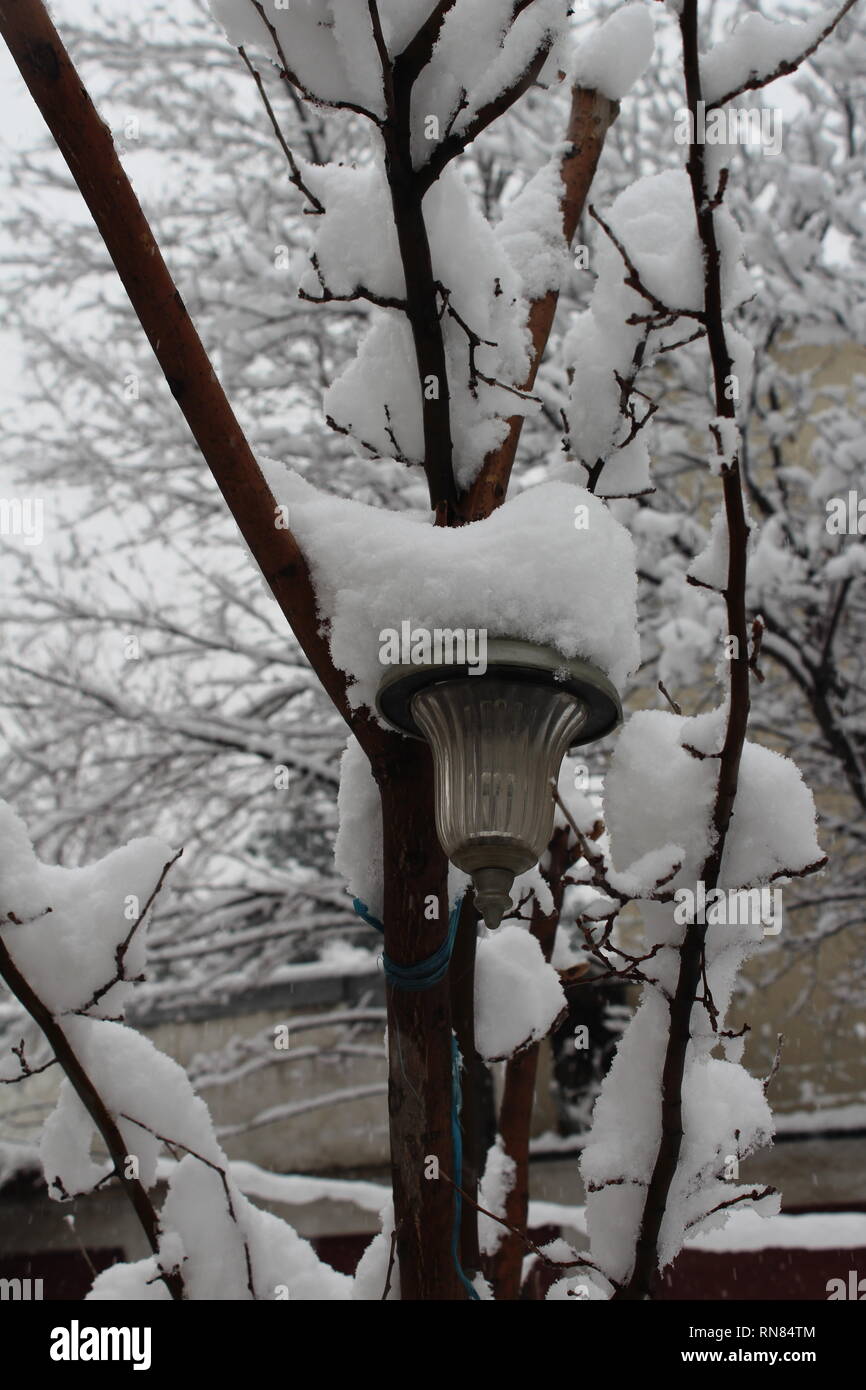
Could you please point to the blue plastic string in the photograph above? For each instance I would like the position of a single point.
(457, 1144)
(362, 910)
(423, 975)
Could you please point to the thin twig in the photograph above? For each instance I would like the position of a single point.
(93, 1104)
(530, 1244)
(124, 945)
(172, 1144)
(671, 701)
(786, 66)
(295, 177)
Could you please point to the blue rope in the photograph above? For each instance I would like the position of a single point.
(424, 975)
(362, 911)
(457, 1143)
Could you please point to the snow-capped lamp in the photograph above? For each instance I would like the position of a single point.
(497, 740)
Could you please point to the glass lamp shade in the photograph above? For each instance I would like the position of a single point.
(497, 740)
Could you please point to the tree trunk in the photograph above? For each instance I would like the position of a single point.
(419, 1025)
(518, 1098)
(462, 976)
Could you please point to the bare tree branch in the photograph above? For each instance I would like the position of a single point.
(590, 117)
(786, 66)
(295, 176)
(289, 76)
(93, 1104)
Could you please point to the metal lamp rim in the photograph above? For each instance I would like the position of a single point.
(516, 660)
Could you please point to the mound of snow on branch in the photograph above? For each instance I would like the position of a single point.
(518, 996)
(68, 931)
(528, 571)
(757, 48)
(358, 847)
(654, 223)
(617, 53)
(73, 920)
(657, 793)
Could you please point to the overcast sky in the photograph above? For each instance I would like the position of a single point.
(22, 126)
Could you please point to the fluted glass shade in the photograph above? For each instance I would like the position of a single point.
(497, 739)
(496, 744)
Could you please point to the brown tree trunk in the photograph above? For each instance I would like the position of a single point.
(419, 1025)
(463, 1009)
(518, 1098)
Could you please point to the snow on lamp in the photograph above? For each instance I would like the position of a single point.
(497, 740)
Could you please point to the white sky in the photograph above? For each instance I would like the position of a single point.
(22, 126)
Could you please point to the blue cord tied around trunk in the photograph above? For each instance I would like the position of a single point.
(423, 975)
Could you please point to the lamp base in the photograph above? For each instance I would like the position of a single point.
(492, 894)
(493, 862)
